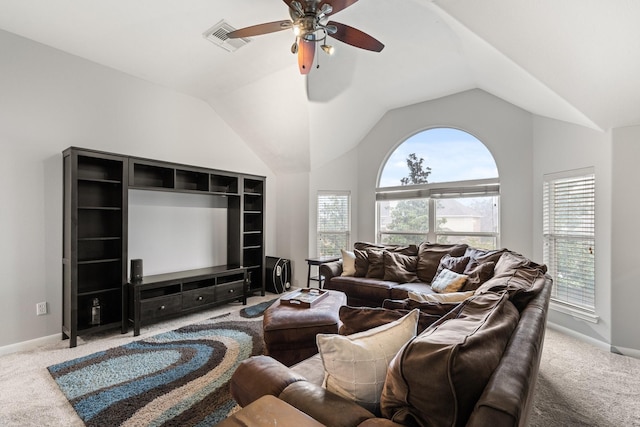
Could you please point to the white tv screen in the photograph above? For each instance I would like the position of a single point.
(177, 231)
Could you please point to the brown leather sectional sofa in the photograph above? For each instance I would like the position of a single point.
(389, 272)
(475, 365)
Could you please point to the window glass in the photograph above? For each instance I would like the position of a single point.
(440, 185)
(569, 236)
(449, 155)
(334, 223)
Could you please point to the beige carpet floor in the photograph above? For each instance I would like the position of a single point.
(578, 385)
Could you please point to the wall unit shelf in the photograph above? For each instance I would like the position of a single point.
(171, 294)
(94, 241)
(95, 234)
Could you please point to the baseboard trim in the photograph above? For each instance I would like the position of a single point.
(597, 343)
(30, 344)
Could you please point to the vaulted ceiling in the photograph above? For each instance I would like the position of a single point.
(573, 60)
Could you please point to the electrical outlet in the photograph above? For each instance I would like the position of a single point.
(41, 308)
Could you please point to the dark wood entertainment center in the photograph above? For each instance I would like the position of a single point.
(95, 256)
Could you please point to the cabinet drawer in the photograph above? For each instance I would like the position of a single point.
(158, 307)
(198, 297)
(230, 291)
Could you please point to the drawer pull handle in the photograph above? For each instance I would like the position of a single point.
(162, 307)
(199, 299)
(231, 291)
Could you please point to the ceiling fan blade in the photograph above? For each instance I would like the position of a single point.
(337, 5)
(306, 52)
(256, 30)
(355, 37)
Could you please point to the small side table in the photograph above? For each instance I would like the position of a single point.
(316, 262)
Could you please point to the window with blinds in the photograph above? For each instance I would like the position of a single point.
(569, 236)
(334, 222)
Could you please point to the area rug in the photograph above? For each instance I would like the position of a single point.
(256, 310)
(179, 377)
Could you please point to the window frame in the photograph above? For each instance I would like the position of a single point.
(347, 232)
(434, 192)
(586, 234)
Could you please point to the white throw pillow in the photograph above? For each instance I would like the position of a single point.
(448, 281)
(348, 263)
(449, 297)
(356, 365)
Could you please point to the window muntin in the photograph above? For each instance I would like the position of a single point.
(472, 220)
(569, 236)
(334, 222)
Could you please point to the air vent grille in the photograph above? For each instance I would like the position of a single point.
(218, 36)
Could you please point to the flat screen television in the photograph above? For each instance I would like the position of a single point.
(177, 231)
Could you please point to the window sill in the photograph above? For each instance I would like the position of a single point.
(574, 311)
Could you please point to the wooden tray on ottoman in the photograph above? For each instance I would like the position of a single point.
(305, 298)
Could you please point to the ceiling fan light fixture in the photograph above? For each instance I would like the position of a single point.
(328, 49)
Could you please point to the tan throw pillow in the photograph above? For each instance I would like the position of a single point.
(399, 268)
(448, 281)
(450, 297)
(356, 365)
(348, 263)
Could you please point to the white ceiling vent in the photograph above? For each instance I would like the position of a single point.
(218, 36)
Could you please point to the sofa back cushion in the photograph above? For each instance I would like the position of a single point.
(437, 377)
(520, 277)
(429, 256)
(399, 267)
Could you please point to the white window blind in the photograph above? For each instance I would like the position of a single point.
(334, 222)
(569, 236)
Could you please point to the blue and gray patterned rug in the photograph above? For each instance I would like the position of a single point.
(175, 378)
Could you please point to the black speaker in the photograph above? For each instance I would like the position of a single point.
(136, 270)
(278, 272)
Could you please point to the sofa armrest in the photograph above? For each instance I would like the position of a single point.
(324, 406)
(258, 376)
(330, 269)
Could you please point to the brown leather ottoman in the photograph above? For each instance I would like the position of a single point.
(290, 332)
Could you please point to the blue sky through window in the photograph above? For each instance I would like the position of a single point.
(452, 155)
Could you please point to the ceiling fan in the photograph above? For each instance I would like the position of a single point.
(309, 20)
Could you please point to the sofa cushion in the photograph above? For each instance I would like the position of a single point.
(376, 263)
(403, 249)
(455, 360)
(348, 263)
(429, 256)
(446, 297)
(401, 291)
(477, 276)
(456, 264)
(356, 365)
(517, 275)
(448, 281)
(399, 267)
(362, 262)
(359, 319)
(479, 256)
(362, 289)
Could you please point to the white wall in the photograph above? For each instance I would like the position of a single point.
(293, 223)
(625, 257)
(49, 101)
(502, 127)
(560, 146)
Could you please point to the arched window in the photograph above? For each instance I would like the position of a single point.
(440, 185)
